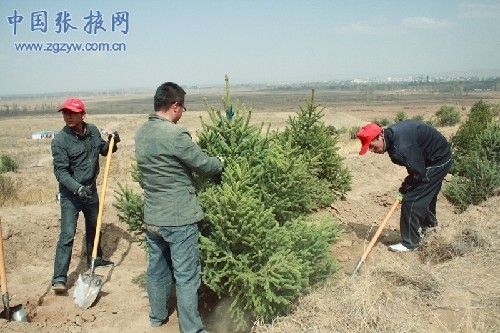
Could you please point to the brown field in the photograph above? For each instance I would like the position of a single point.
(451, 285)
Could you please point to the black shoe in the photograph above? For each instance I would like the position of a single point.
(101, 263)
(59, 287)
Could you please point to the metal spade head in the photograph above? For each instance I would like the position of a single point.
(86, 290)
(15, 313)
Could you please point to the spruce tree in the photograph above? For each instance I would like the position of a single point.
(257, 245)
(314, 141)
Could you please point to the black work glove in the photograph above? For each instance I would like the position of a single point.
(84, 192)
(217, 178)
(115, 146)
(117, 137)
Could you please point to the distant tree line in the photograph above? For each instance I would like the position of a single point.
(15, 110)
(370, 91)
(454, 86)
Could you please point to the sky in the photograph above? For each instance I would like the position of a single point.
(198, 42)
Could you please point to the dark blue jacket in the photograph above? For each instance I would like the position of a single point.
(416, 146)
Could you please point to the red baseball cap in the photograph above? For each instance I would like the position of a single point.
(73, 104)
(366, 134)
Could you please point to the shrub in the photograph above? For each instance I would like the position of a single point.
(447, 116)
(480, 181)
(400, 116)
(262, 266)
(353, 131)
(430, 122)
(7, 164)
(130, 207)
(476, 153)
(463, 143)
(463, 192)
(382, 122)
(385, 121)
(306, 134)
(7, 189)
(418, 117)
(342, 130)
(331, 130)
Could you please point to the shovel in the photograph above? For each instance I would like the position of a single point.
(88, 285)
(16, 313)
(375, 237)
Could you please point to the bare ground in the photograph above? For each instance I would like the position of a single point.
(451, 285)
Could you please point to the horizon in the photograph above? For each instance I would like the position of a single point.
(443, 78)
(389, 79)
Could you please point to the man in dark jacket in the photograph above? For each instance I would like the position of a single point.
(75, 152)
(167, 156)
(426, 154)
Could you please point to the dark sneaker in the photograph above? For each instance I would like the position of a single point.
(101, 263)
(59, 287)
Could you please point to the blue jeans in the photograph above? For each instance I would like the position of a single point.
(174, 255)
(71, 206)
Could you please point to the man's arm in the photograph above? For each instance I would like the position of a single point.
(415, 165)
(191, 154)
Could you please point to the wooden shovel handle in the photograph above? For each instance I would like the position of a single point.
(379, 230)
(3, 273)
(103, 196)
(374, 239)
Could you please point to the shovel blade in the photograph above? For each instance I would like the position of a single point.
(86, 290)
(15, 313)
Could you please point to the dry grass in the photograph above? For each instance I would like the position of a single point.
(367, 303)
(455, 288)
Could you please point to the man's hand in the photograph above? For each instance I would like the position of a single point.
(117, 137)
(105, 148)
(84, 192)
(217, 178)
(399, 196)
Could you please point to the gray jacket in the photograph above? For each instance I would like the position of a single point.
(166, 156)
(76, 157)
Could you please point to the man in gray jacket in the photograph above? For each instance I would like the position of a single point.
(426, 155)
(75, 152)
(166, 156)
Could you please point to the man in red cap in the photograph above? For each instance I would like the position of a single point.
(75, 152)
(426, 154)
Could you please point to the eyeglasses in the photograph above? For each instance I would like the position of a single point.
(181, 105)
